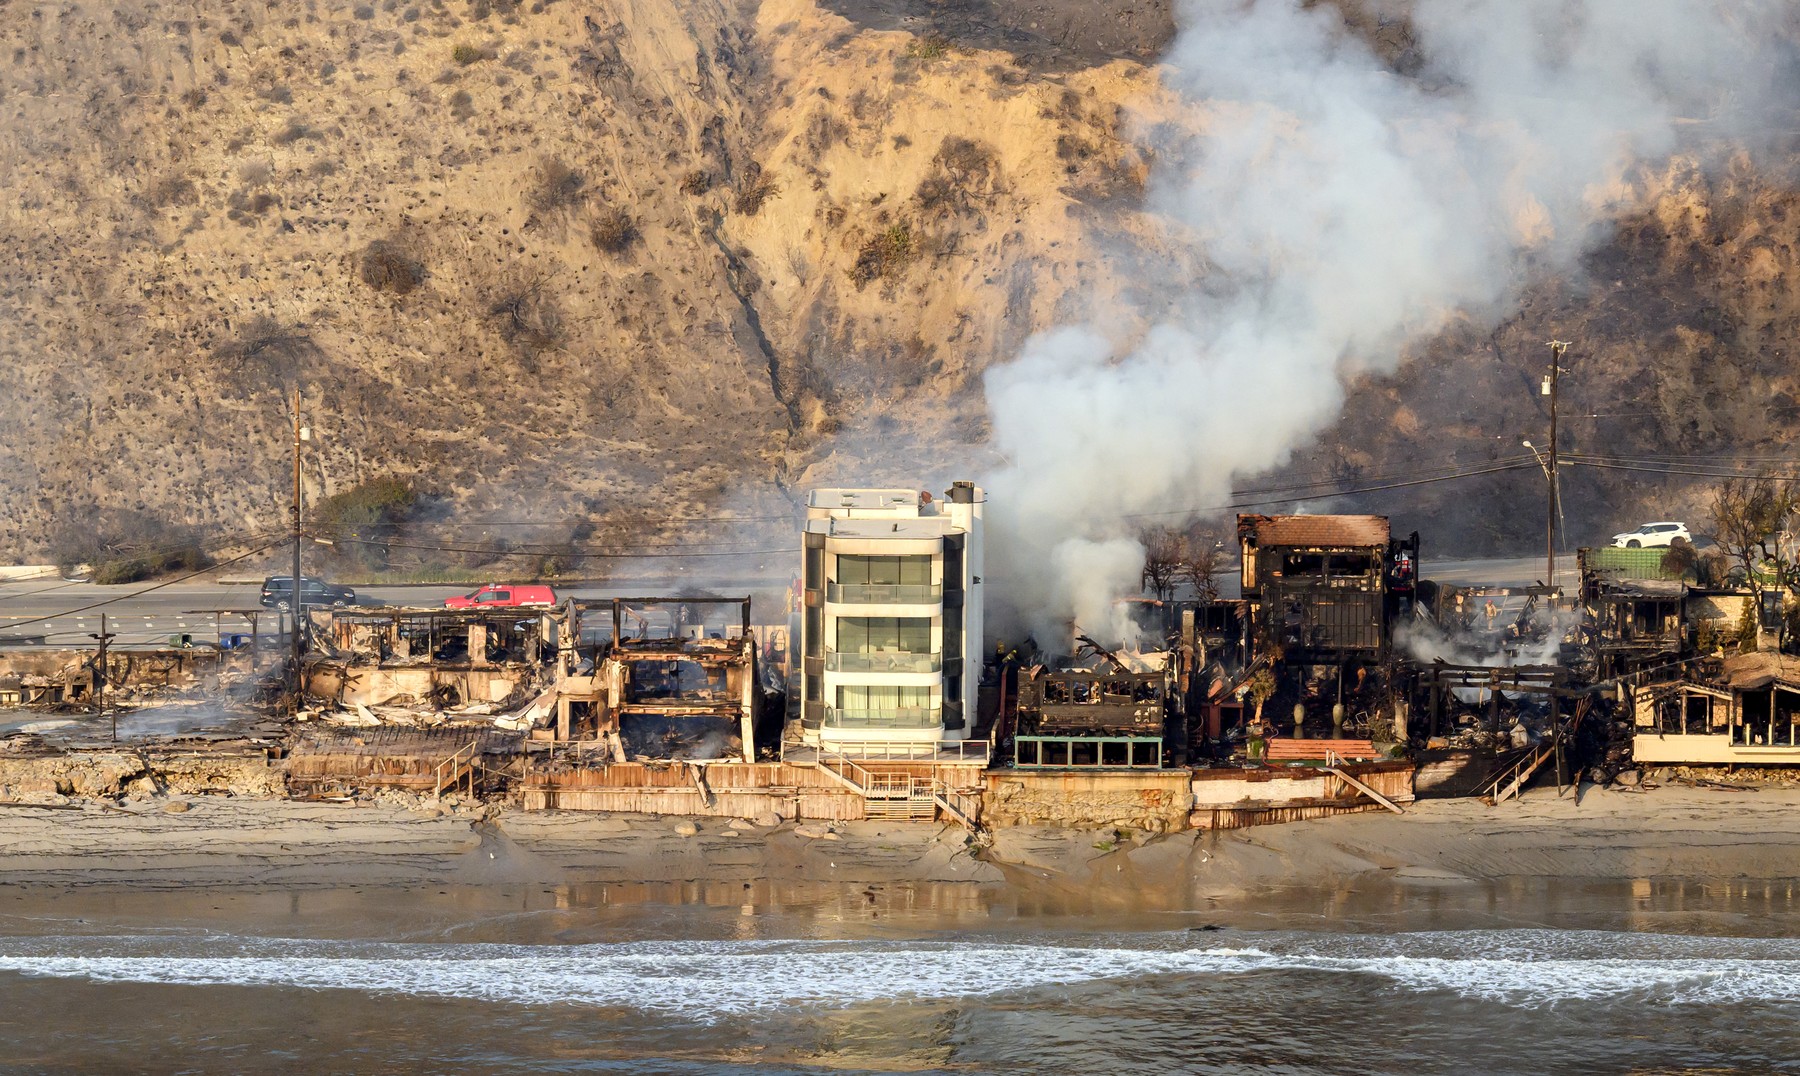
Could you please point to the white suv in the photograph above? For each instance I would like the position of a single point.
(1653, 534)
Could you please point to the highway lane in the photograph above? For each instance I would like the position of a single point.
(151, 619)
(1501, 571)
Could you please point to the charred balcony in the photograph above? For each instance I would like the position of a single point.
(1081, 702)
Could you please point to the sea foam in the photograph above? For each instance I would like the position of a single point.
(1520, 968)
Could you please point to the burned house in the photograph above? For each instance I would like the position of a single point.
(1106, 717)
(1324, 596)
(435, 657)
(1748, 714)
(668, 685)
(1637, 611)
(55, 677)
(1325, 589)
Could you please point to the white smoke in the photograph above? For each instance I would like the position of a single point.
(1343, 210)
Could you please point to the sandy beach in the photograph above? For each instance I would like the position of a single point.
(1666, 834)
(219, 933)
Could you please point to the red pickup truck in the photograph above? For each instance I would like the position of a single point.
(501, 596)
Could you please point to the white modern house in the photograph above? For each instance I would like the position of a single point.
(891, 623)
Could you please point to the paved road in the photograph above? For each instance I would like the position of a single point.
(1501, 571)
(184, 608)
(151, 618)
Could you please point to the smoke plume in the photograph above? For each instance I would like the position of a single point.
(1341, 210)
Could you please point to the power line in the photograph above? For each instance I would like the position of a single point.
(568, 552)
(1415, 472)
(236, 539)
(1421, 463)
(1674, 457)
(593, 521)
(597, 522)
(44, 590)
(1497, 469)
(1679, 472)
(1396, 485)
(523, 549)
(146, 590)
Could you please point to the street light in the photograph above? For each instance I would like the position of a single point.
(301, 434)
(1539, 457)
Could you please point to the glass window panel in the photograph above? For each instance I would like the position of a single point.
(884, 633)
(866, 635)
(852, 635)
(915, 635)
(875, 697)
(884, 571)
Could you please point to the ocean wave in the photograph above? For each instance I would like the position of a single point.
(722, 978)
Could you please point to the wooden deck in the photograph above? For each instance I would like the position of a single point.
(426, 761)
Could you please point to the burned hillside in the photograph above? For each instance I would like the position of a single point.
(580, 259)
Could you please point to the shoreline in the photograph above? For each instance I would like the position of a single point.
(1669, 835)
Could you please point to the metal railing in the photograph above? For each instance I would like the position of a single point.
(917, 750)
(883, 661)
(451, 771)
(884, 719)
(795, 750)
(963, 807)
(884, 593)
(884, 794)
(846, 771)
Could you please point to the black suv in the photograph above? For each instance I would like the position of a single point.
(278, 592)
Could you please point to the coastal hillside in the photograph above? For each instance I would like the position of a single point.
(581, 260)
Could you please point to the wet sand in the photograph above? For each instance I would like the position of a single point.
(1667, 836)
(246, 935)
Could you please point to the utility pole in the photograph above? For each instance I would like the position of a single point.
(1557, 347)
(300, 434)
(100, 675)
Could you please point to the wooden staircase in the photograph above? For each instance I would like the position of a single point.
(899, 797)
(457, 771)
(1510, 779)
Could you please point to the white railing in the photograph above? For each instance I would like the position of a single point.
(795, 749)
(882, 661)
(884, 594)
(924, 718)
(847, 771)
(903, 751)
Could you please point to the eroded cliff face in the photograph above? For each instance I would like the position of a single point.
(553, 256)
(576, 258)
